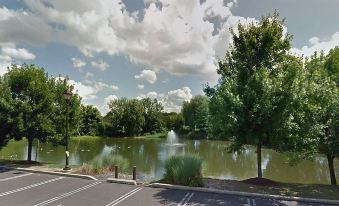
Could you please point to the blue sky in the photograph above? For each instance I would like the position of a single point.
(164, 49)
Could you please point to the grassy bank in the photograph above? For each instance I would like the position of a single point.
(277, 188)
(144, 136)
(154, 136)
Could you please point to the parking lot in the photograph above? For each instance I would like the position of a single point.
(23, 188)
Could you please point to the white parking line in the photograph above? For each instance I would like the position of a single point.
(186, 199)
(14, 177)
(67, 194)
(30, 186)
(125, 196)
(253, 202)
(248, 202)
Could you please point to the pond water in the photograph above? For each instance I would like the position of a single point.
(148, 155)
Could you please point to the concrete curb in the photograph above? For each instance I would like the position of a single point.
(66, 174)
(247, 194)
(121, 181)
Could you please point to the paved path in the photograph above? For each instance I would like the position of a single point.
(23, 188)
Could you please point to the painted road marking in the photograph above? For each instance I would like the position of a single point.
(30, 186)
(67, 194)
(125, 196)
(253, 202)
(186, 199)
(14, 177)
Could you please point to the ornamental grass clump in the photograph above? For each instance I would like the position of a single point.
(184, 170)
(104, 164)
(109, 161)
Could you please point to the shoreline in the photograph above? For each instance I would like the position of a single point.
(252, 185)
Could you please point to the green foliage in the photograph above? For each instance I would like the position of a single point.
(195, 113)
(33, 104)
(90, 120)
(249, 104)
(172, 121)
(104, 164)
(152, 111)
(6, 108)
(110, 160)
(131, 117)
(184, 170)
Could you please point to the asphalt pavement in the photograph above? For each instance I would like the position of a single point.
(34, 189)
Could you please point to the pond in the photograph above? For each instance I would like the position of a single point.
(148, 155)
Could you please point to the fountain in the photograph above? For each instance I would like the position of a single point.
(172, 139)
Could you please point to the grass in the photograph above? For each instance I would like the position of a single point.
(159, 135)
(86, 137)
(104, 164)
(284, 189)
(184, 170)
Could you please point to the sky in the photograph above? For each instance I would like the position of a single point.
(164, 49)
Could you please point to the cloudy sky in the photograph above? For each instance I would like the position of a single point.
(165, 49)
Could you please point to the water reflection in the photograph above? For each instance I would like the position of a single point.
(149, 156)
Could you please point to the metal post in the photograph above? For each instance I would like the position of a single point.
(115, 171)
(67, 137)
(134, 173)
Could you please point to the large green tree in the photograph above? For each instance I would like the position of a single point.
(32, 98)
(90, 120)
(152, 110)
(34, 105)
(321, 106)
(195, 113)
(245, 106)
(126, 116)
(6, 109)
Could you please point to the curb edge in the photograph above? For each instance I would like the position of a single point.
(228, 192)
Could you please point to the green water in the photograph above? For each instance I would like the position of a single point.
(149, 156)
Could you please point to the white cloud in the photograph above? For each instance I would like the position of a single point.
(179, 36)
(99, 86)
(173, 100)
(317, 45)
(9, 54)
(104, 109)
(152, 95)
(15, 53)
(141, 86)
(89, 90)
(148, 75)
(100, 65)
(78, 63)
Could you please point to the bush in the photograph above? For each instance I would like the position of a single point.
(184, 170)
(109, 161)
(104, 164)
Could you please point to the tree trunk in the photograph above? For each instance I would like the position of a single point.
(30, 145)
(259, 160)
(330, 159)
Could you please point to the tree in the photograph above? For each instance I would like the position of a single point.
(6, 108)
(172, 121)
(321, 106)
(34, 105)
(90, 120)
(126, 116)
(32, 99)
(245, 106)
(152, 111)
(195, 113)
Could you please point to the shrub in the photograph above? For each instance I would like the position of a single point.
(184, 170)
(104, 164)
(86, 169)
(109, 161)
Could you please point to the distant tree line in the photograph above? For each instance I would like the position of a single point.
(32, 106)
